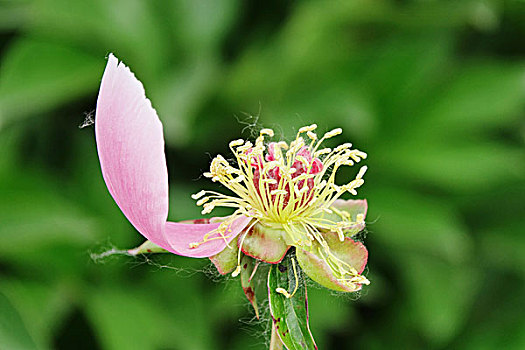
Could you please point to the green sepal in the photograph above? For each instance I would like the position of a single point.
(226, 261)
(146, 248)
(313, 264)
(264, 243)
(248, 269)
(289, 315)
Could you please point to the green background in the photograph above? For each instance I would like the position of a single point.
(433, 91)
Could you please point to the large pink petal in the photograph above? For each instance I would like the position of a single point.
(180, 236)
(130, 146)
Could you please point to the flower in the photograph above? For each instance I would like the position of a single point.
(284, 195)
(291, 194)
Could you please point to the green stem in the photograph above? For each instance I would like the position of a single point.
(275, 341)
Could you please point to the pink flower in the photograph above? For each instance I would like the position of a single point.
(130, 145)
(284, 195)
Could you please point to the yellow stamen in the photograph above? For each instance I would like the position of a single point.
(237, 271)
(268, 132)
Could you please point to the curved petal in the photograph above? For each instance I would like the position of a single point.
(180, 236)
(315, 266)
(130, 146)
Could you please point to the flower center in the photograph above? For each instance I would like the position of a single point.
(286, 186)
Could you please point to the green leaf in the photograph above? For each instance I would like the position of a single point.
(290, 315)
(37, 215)
(203, 25)
(13, 14)
(502, 246)
(188, 307)
(13, 332)
(129, 28)
(42, 228)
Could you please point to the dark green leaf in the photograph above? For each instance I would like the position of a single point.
(290, 315)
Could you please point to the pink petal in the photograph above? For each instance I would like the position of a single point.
(130, 146)
(180, 236)
(270, 155)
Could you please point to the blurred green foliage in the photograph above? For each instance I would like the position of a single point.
(433, 91)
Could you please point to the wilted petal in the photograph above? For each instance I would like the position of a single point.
(357, 209)
(349, 251)
(130, 146)
(264, 243)
(181, 236)
(354, 207)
